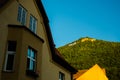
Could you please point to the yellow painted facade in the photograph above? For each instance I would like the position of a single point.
(12, 30)
(3, 40)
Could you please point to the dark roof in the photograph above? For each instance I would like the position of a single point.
(55, 54)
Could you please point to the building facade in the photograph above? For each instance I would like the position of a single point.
(27, 50)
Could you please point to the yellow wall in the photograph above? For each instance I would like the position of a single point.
(20, 61)
(3, 40)
(8, 14)
(48, 69)
(37, 45)
(33, 10)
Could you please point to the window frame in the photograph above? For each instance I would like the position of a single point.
(22, 18)
(61, 76)
(33, 23)
(34, 60)
(6, 58)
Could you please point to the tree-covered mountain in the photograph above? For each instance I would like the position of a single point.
(85, 52)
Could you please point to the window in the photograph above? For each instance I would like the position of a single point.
(33, 24)
(9, 61)
(61, 76)
(31, 60)
(21, 15)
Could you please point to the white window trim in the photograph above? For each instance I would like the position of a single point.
(23, 9)
(30, 57)
(61, 75)
(33, 18)
(5, 66)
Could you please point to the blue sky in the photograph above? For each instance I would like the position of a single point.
(73, 19)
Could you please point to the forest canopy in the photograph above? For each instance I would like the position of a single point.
(85, 52)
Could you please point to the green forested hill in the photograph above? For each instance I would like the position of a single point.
(85, 52)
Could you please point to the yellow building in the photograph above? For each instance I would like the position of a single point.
(94, 73)
(27, 50)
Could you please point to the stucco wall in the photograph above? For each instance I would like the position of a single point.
(47, 68)
(3, 40)
(32, 9)
(14, 35)
(35, 43)
(50, 68)
(24, 39)
(9, 13)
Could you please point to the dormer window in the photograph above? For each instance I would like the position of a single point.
(22, 15)
(33, 24)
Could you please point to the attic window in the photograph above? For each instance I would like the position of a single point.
(22, 15)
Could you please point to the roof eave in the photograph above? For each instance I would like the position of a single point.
(55, 57)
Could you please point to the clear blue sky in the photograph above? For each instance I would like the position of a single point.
(73, 19)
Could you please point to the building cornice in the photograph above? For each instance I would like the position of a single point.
(24, 27)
